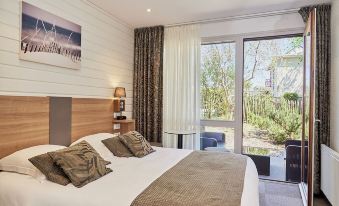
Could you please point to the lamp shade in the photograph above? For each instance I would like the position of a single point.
(119, 92)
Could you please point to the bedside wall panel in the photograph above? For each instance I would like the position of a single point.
(90, 116)
(24, 122)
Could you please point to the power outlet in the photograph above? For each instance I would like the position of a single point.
(116, 126)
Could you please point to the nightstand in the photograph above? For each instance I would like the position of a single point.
(126, 125)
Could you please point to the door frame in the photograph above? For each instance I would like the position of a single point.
(308, 189)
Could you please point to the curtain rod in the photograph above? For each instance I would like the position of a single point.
(240, 17)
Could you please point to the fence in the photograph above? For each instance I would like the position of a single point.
(262, 105)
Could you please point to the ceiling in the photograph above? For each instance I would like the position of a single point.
(164, 12)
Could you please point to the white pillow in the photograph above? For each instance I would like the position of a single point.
(18, 161)
(95, 141)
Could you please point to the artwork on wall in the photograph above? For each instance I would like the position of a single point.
(49, 39)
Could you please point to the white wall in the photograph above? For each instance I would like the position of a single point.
(335, 77)
(107, 54)
(253, 25)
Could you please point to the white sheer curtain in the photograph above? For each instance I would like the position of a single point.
(182, 85)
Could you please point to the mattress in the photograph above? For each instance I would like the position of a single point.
(129, 178)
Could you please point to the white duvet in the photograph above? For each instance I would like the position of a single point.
(129, 178)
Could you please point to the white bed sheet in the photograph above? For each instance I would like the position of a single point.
(129, 178)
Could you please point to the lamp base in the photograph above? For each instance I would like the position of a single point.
(121, 117)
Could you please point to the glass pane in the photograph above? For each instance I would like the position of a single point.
(217, 138)
(217, 81)
(273, 88)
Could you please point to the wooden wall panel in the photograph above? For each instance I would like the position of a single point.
(90, 116)
(24, 122)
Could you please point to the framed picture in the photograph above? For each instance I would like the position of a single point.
(49, 39)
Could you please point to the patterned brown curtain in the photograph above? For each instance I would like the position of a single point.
(147, 82)
(322, 82)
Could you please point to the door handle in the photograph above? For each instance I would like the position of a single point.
(317, 122)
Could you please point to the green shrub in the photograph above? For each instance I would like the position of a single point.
(291, 96)
(278, 137)
(281, 121)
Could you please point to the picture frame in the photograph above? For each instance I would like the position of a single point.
(49, 39)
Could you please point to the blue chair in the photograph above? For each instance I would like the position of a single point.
(211, 139)
(219, 136)
(207, 142)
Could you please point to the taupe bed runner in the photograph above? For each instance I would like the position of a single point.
(202, 178)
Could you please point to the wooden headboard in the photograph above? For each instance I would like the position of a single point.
(90, 116)
(24, 122)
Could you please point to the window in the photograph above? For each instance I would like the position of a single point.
(218, 81)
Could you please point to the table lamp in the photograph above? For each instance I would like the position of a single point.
(119, 104)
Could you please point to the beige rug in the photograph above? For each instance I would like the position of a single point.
(279, 194)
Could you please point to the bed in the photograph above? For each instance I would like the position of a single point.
(130, 176)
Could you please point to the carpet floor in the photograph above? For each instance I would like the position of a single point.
(279, 194)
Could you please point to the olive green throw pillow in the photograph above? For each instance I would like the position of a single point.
(136, 143)
(52, 171)
(81, 163)
(117, 147)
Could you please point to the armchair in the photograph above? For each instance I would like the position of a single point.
(211, 139)
(207, 142)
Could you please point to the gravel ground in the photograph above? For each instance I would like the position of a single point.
(253, 137)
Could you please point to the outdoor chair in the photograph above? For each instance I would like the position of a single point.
(206, 139)
(206, 142)
(218, 136)
(292, 142)
(293, 160)
(293, 163)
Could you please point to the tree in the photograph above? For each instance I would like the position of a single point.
(218, 81)
(262, 55)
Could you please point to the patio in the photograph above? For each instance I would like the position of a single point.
(256, 142)
(277, 169)
(277, 164)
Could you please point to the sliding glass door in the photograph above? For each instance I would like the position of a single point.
(272, 105)
(251, 99)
